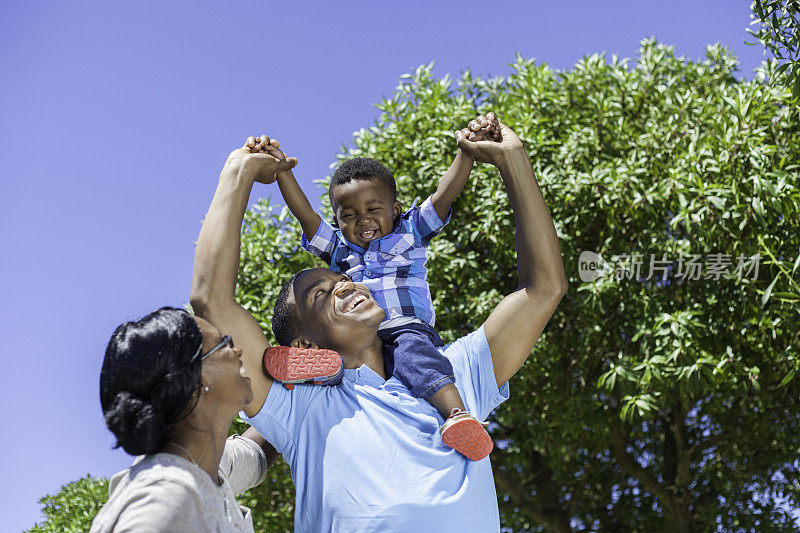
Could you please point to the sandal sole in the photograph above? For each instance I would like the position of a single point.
(469, 438)
(300, 365)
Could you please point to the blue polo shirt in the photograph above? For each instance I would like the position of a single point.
(367, 456)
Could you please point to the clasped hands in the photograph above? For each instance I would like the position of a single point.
(485, 139)
(260, 159)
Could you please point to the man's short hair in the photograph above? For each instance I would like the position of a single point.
(362, 168)
(285, 319)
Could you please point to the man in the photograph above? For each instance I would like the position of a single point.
(364, 455)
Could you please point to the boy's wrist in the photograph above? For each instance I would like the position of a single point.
(283, 175)
(465, 156)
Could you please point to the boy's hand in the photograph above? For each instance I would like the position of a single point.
(483, 128)
(259, 158)
(267, 146)
(485, 151)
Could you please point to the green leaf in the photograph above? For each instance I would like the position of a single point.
(767, 292)
(789, 377)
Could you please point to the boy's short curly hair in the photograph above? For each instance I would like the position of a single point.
(362, 168)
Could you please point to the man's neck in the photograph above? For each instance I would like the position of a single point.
(370, 353)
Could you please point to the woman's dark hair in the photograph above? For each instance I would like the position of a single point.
(149, 378)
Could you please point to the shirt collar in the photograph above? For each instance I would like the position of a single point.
(364, 375)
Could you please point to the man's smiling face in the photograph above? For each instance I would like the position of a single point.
(365, 210)
(333, 310)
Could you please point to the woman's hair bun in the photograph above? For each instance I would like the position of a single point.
(150, 376)
(139, 427)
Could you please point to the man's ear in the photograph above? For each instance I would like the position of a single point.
(302, 343)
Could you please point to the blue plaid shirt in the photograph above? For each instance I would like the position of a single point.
(393, 267)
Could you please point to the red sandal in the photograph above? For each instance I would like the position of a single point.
(291, 366)
(466, 435)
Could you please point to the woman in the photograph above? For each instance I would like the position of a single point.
(170, 387)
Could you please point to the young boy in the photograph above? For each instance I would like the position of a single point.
(378, 246)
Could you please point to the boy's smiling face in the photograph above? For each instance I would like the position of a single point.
(364, 210)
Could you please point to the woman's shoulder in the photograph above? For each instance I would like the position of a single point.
(163, 469)
(157, 490)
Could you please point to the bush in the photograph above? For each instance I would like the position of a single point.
(779, 30)
(72, 509)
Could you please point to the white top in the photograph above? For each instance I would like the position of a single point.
(165, 492)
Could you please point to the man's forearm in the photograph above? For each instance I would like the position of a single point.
(216, 263)
(452, 183)
(539, 258)
(297, 202)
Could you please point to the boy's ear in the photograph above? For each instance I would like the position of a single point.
(397, 209)
(302, 343)
(335, 222)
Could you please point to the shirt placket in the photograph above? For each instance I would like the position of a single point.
(371, 265)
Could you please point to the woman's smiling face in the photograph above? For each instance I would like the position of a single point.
(364, 210)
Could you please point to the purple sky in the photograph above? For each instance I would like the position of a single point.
(116, 120)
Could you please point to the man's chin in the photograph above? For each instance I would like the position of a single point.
(366, 313)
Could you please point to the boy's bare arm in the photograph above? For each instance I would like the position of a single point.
(482, 127)
(452, 183)
(298, 203)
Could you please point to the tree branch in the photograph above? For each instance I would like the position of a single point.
(550, 515)
(619, 447)
(580, 488)
(514, 490)
(683, 451)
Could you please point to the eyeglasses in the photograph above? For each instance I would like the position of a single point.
(226, 341)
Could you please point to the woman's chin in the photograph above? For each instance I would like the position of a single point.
(249, 393)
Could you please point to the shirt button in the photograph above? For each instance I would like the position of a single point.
(368, 274)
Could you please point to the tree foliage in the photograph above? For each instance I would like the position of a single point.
(647, 404)
(779, 30)
(72, 509)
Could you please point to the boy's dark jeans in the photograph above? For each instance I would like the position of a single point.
(414, 359)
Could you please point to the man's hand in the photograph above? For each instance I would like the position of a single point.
(483, 128)
(488, 151)
(259, 159)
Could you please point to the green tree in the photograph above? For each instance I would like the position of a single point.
(779, 30)
(72, 509)
(647, 404)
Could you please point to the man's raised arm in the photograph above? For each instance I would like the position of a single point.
(516, 323)
(216, 261)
